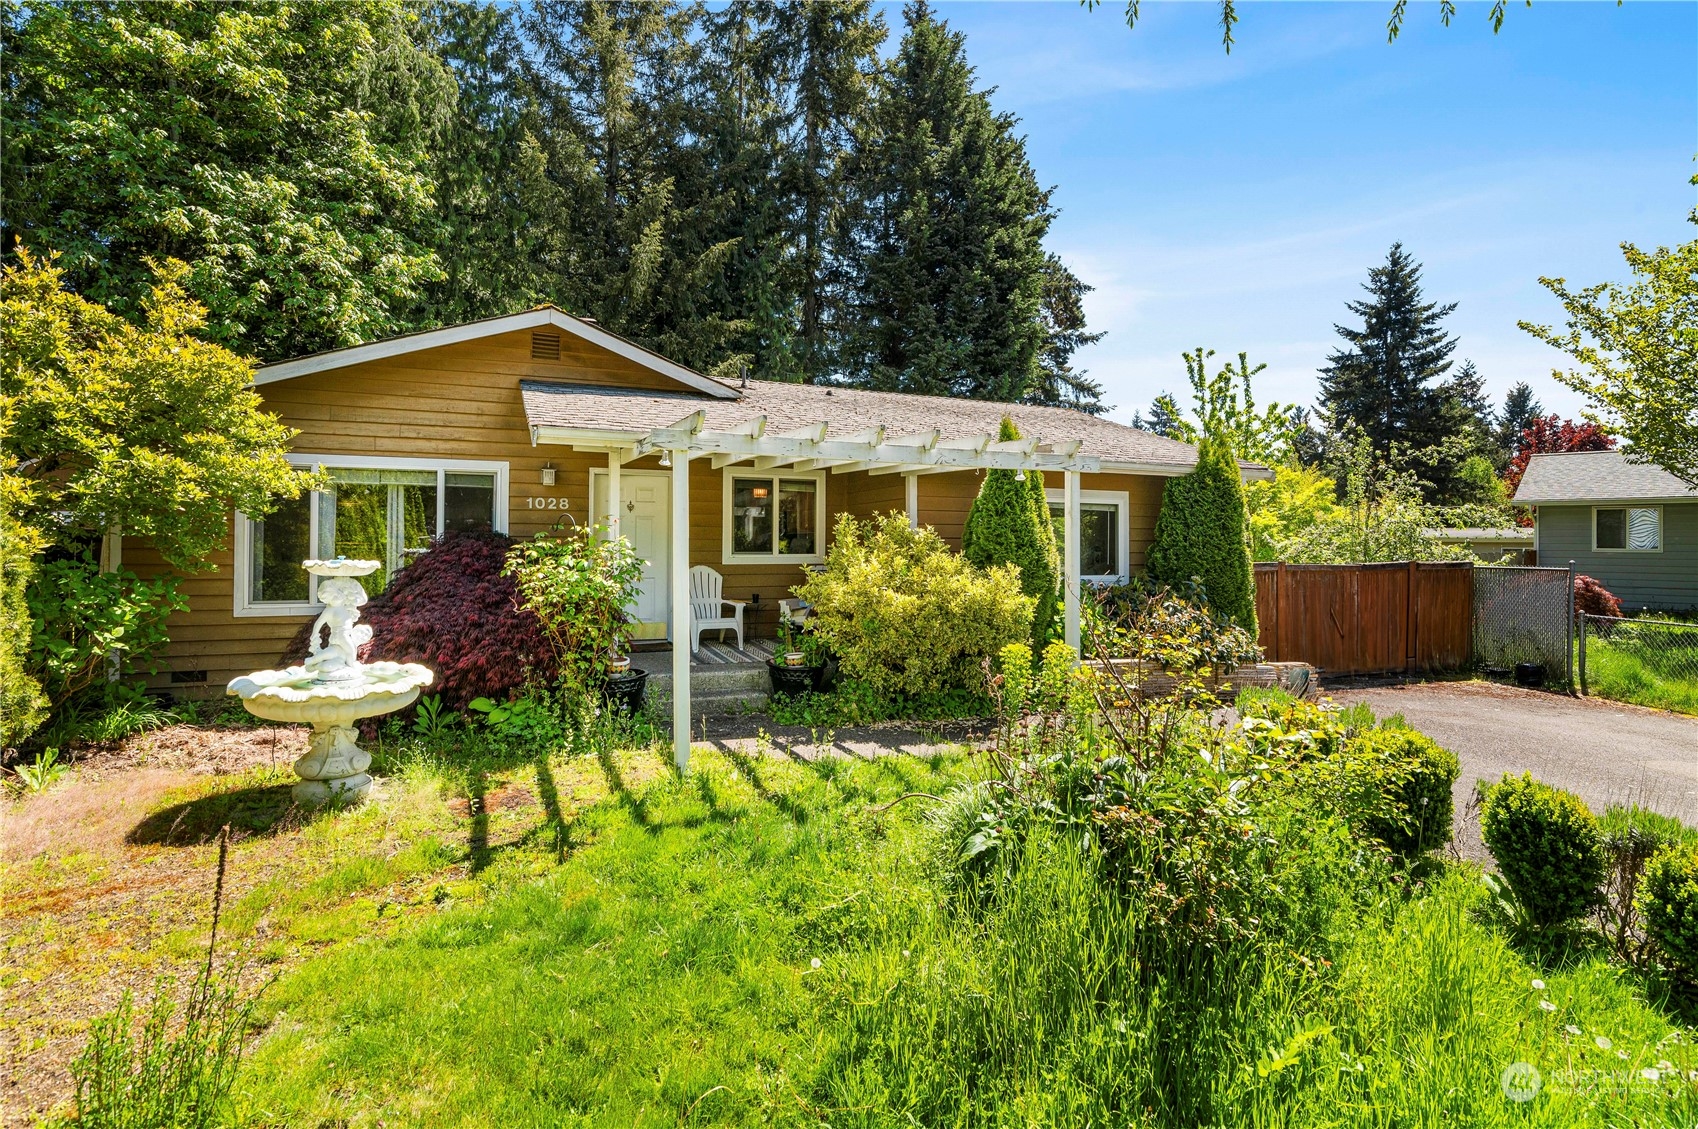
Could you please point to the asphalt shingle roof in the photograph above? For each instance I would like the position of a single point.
(1597, 476)
(789, 407)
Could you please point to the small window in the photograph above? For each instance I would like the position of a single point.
(1102, 533)
(773, 517)
(1628, 528)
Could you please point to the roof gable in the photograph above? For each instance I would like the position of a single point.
(543, 316)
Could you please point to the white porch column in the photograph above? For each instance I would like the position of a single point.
(681, 609)
(911, 483)
(614, 506)
(1070, 585)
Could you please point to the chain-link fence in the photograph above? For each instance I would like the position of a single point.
(1650, 661)
(1525, 615)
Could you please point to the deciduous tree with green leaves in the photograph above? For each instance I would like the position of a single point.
(259, 143)
(147, 429)
(1638, 347)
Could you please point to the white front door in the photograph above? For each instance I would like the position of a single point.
(645, 498)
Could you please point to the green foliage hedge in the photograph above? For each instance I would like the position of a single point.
(1009, 523)
(1547, 845)
(1200, 533)
(908, 615)
(1668, 900)
(1416, 774)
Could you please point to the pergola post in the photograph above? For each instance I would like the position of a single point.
(1070, 585)
(614, 506)
(911, 484)
(681, 609)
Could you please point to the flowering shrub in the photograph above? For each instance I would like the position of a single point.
(906, 614)
(1592, 598)
(1174, 628)
(1547, 845)
(453, 611)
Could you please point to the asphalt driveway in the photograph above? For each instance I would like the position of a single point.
(1605, 752)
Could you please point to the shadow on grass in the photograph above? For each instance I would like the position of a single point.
(745, 767)
(250, 812)
(636, 805)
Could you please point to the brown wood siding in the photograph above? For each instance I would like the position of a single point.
(463, 402)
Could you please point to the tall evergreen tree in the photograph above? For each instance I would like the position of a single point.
(265, 146)
(828, 58)
(1520, 409)
(948, 262)
(1386, 380)
(1009, 523)
(1058, 384)
(632, 238)
(1166, 418)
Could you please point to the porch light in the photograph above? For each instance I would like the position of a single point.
(548, 474)
(666, 458)
(1020, 475)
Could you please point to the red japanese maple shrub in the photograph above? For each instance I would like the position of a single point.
(453, 611)
(1592, 598)
(1547, 434)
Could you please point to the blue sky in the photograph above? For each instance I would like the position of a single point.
(1237, 202)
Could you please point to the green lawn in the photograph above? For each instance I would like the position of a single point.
(1648, 666)
(650, 960)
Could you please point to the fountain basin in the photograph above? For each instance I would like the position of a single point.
(332, 690)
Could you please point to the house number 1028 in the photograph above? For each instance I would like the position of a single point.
(548, 504)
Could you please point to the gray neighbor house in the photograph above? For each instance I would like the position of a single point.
(1631, 526)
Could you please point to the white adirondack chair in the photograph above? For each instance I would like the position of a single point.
(707, 602)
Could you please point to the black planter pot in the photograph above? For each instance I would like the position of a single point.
(1530, 674)
(623, 692)
(793, 680)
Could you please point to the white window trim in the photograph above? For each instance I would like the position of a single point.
(243, 540)
(1122, 501)
(1624, 506)
(817, 477)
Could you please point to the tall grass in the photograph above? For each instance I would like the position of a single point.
(758, 943)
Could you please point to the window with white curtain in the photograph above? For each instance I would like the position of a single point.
(1628, 528)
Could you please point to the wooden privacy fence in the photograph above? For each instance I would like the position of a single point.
(1367, 618)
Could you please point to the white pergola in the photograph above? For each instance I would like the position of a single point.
(814, 447)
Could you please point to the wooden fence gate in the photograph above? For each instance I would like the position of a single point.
(1367, 618)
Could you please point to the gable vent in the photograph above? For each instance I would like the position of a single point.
(545, 346)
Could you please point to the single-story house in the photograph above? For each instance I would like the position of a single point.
(1632, 526)
(1509, 545)
(518, 422)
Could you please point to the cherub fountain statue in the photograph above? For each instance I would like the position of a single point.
(332, 690)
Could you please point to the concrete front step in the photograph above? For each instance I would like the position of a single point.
(718, 690)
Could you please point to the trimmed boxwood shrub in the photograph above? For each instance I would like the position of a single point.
(453, 611)
(1668, 902)
(1200, 533)
(1009, 523)
(1416, 775)
(1547, 846)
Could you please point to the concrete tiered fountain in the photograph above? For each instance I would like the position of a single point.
(332, 690)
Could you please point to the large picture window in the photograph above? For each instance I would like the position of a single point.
(1103, 540)
(1628, 528)
(386, 510)
(773, 517)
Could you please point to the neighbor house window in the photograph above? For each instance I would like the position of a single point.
(773, 517)
(385, 510)
(1636, 528)
(1102, 533)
